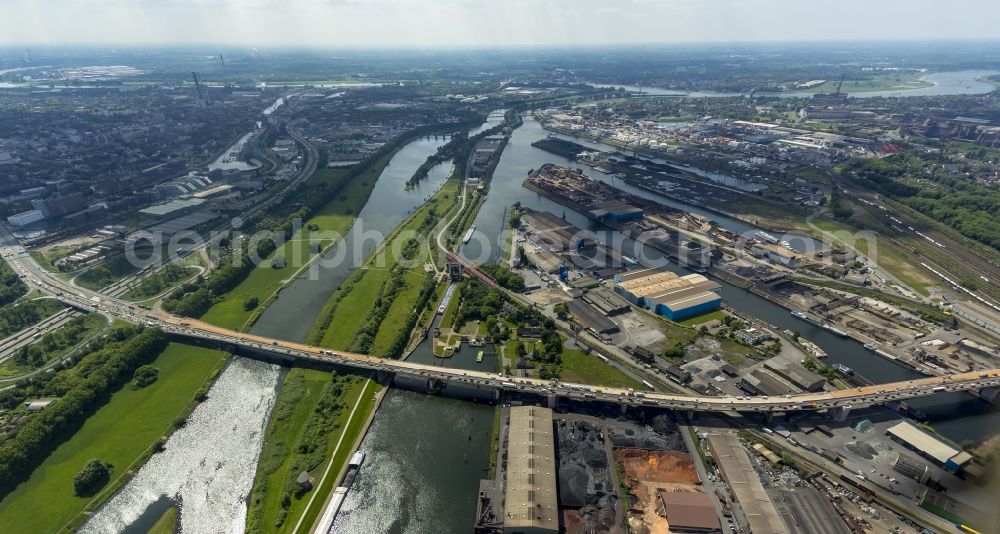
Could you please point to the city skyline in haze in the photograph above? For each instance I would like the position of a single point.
(472, 23)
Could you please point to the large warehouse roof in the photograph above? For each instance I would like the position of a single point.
(738, 472)
(530, 502)
(923, 442)
(689, 510)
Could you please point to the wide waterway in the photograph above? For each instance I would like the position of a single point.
(958, 82)
(208, 466)
(957, 416)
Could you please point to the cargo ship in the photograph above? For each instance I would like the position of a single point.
(468, 235)
(814, 322)
(766, 237)
(340, 493)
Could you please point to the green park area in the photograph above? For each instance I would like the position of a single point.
(122, 432)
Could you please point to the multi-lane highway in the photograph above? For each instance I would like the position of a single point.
(36, 276)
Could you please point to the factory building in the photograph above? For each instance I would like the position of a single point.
(606, 301)
(556, 233)
(25, 218)
(910, 467)
(760, 382)
(795, 374)
(778, 254)
(530, 501)
(174, 208)
(689, 511)
(675, 297)
(615, 210)
(930, 447)
(590, 319)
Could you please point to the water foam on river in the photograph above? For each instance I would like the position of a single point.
(208, 465)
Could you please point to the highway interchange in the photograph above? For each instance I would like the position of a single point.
(37, 277)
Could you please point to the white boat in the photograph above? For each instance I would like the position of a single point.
(357, 459)
(468, 235)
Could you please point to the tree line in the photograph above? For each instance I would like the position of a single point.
(82, 390)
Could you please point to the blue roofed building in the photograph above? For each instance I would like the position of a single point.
(615, 210)
(665, 293)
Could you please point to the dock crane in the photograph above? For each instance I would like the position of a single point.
(201, 94)
(841, 84)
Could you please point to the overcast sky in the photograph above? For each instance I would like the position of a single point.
(435, 23)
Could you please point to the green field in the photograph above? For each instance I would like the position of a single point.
(107, 273)
(716, 315)
(878, 82)
(583, 368)
(121, 432)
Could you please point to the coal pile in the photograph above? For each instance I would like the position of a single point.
(585, 482)
(661, 434)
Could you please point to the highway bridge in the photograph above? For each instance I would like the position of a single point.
(840, 401)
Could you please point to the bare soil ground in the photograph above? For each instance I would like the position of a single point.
(645, 473)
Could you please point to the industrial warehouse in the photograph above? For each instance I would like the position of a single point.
(531, 504)
(928, 446)
(672, 296)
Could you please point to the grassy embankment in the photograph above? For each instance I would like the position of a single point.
(123, 432)
(167, 523)
(303, 435)
(167, 277)
(349, 307)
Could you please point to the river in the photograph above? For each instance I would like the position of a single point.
(209, 465)
(958, 82)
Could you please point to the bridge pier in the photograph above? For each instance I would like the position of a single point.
(690, 415)
(434, 386)
(840, 413)
(990, 394)
(893, 405)
(553, 401)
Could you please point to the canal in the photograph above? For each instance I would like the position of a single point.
(957, 416)
(208, 466)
